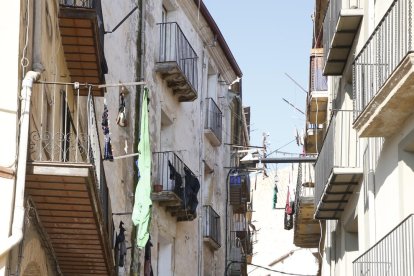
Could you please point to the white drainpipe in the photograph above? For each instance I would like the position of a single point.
(18, 213)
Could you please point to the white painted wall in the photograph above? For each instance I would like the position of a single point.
(382, 202)
(9, 77)
(273, 241)
(121, 52)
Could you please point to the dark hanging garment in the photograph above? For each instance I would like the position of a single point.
(120, 245)
(288, 222)
(192, 186)
(177, 180)
(147, 263)
(107, 140)
(108, 149)
(289, 211)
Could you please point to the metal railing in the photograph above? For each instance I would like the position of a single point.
(318, 82)
(331, 20)
(175, 47)
(168, 169)
(340, 149)
(64, 129)
(237, 268)
(393, 255)
(213, 120)
(239, 222)
(305, 184)
(78, 3)
(390, 42)
(62, 126)
(242, 240)
(212, 224)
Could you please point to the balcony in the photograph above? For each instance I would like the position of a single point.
(175, 186)
(340, 26)
(384, 74)
(177, 62)
(240, 248)
(213, 123)
(239, 191)
(306, 231)
(317, 101)
(338, 169)
(392, 255)
(66, 182)
(82, 32)
(314, 138)
(211, 227)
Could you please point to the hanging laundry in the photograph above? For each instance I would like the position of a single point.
(192, 186)
(147, 262)
(107, 140)
(275, 191)
(120, 246)
(176, 183)
(121, 119)
(141, 214)
(289, 211)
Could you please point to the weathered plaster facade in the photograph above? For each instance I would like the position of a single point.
(131, 54)
(179, 127)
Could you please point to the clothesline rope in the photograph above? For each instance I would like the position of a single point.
(96, 85)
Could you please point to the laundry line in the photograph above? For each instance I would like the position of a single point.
(125, 156)
(120, 84)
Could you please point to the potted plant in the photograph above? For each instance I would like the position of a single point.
(157, 187)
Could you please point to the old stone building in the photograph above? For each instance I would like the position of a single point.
(360, 124)
(72, 129)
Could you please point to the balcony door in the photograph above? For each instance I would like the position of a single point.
(165, 37)
(165, 257)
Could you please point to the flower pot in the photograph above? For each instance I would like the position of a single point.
(157, 188)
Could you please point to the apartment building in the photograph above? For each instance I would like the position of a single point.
(72, 128)
(363, 173)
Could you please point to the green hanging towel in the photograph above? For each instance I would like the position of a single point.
(141, 214)
(275, 191)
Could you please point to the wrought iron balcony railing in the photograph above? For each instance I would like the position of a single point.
(242, 240)
(318, 82)
(213, 122)
(305, 183)
(175, 185)
(393, 255)
(64, 159)
(63, 126)
(166, 166)
(388, 45)
(338, 166)
(212, 226)
(78, 3)
(340, 25)
(175, 49)
(306, 228)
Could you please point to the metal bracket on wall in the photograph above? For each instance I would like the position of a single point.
(122, 21)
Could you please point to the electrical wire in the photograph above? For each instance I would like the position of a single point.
(272, 270)
(276, 150)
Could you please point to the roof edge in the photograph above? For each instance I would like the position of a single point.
(220, 38)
